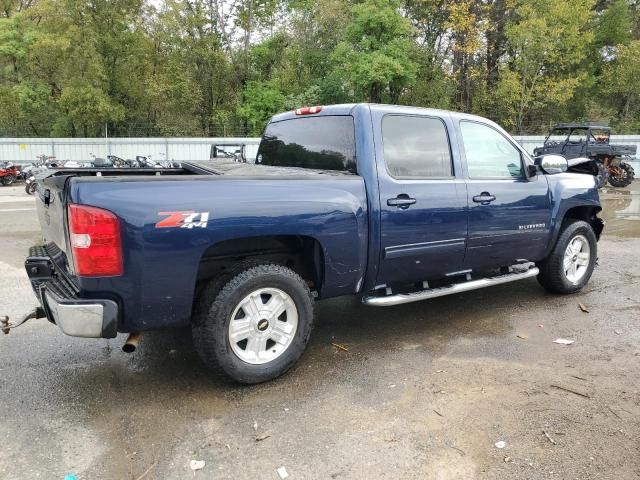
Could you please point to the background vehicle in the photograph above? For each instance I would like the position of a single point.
(234, 151)
(9, 173)
(397, 204)
(591, 140)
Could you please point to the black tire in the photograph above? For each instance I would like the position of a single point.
(625, 178)
(601, 174)
(552, 274)
(218, 301)
(31, 188)
(8, 180)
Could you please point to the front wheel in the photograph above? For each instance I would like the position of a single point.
(31, 186)
(621, 176)
(570, 264)
(254, 324)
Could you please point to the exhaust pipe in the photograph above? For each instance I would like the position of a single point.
(132, 342)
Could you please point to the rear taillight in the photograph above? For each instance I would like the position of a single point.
(95, 241)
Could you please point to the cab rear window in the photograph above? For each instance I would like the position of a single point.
(323, 143)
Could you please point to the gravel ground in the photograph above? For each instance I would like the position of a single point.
(425, 390)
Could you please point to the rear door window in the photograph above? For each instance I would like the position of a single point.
(324, 143)
(416, 147)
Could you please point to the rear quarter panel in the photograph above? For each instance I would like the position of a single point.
(161, 264)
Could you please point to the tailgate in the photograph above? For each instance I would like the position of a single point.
(51, 204)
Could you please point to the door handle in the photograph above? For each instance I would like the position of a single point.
(401, 201)
(485, 198)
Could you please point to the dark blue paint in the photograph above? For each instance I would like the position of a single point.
(364, 241)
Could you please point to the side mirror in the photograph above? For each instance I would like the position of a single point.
(552, 164)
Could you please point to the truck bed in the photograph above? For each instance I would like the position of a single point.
(205, 167)
(238, 202)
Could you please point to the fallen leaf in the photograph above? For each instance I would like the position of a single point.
(523, 337)
(197, 465)
(583, 308)
(282, 473)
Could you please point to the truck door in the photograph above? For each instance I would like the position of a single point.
(509, 213)
(423, 202)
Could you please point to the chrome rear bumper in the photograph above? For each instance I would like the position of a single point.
(82, 318)
(61, 298)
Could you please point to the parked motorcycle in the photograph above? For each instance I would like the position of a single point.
(43, 162)
(9, 173)
(110, 161)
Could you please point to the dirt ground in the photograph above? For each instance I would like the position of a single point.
(424, 391)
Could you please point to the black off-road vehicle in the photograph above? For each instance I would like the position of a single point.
(591, 140)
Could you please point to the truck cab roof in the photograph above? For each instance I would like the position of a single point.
(349, 109)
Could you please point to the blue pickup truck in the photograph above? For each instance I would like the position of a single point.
(394, 204)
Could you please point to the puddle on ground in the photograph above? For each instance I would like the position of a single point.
(621, 211)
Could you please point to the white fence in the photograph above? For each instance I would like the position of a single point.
(25, 150)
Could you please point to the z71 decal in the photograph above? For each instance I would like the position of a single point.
(185, 219)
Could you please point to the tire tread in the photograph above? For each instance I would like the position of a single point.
(209, 322)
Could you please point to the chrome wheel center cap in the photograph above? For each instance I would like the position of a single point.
(263, 325)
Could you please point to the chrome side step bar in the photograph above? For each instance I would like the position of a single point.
(401, 298)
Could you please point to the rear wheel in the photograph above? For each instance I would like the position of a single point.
(621, 176)
(8, 179)
(254, 324)
(570, 264)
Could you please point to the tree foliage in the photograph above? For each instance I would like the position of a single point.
(223, 67)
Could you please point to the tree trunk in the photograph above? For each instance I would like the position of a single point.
(496, 41)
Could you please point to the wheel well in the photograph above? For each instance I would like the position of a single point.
(588, 214)
(300, 253)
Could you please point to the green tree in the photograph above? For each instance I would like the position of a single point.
(548, 41)
(375, 59)
(261, 101)
(621, 80)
